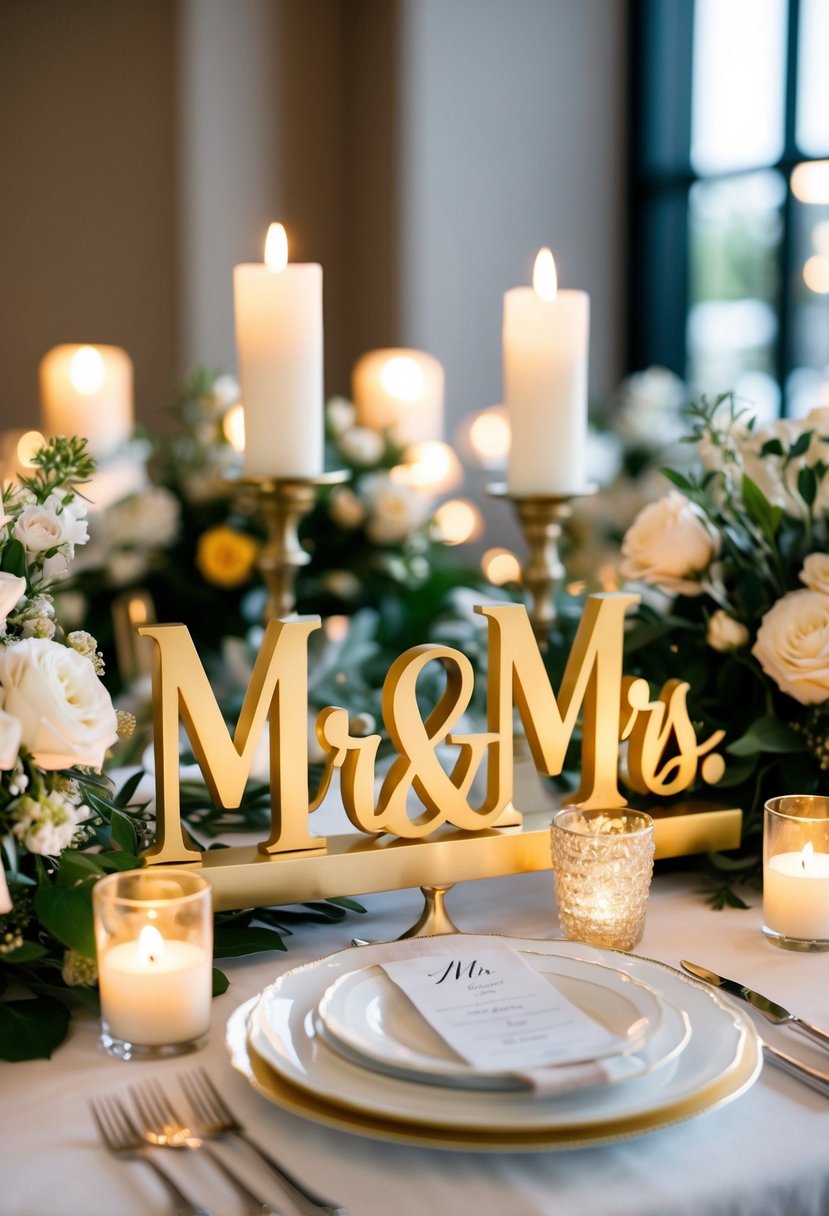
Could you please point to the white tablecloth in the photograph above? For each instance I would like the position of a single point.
(764, 1153)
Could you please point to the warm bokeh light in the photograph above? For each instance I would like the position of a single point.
(87, 371)
(545, 279)
(457, 521)
(816, 274)
(27, 445)
(489, 435)
(402, 378)
(233, 427)
(820, 237)
(810, 182)
(336, 627)
(501, 566)
(276, 248)
(431, 466)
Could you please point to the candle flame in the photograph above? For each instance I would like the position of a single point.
(545, 280)
(276, 248)
(86, 371)
(806, 856)
(402, 378)
(150, 944)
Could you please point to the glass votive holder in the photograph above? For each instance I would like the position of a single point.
(603, 862)
(154, 937)
(796, 871)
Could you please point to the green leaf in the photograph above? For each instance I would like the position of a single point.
(125, 794)
(767, 735)
(231, 942)
(807, 486)
(32, 1029)
(76, 867)
(350, 905)
(682, 483)
(220, 982)
(123, 831)
(14, 559)
(759, 509)
(66, 913)
(801, 444)
(772, 447)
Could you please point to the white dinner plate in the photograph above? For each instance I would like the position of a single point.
(370, 1020)
(282, 1034)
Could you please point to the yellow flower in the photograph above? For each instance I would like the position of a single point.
(225, 557)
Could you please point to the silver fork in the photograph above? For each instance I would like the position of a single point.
(124, 1140)
(216, 1119)
(164, 1128)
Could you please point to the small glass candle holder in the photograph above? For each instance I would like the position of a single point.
(154, 936)
(796, 872)
(603, 862)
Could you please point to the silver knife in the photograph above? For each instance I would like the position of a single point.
(771, 1011)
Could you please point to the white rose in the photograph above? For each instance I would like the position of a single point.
(12, 590)
(347, 509)
(793, 646)
(10, 731)
(669, 545)
(47, 525)
(340, 415)
(361, 446)
(815, 572)
(395, 510)
(724, 633)
(65, 713)
(650, 403)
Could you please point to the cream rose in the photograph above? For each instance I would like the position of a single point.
(12, 590)
(10, 732)
(669, 545)
(724, 633)
(395, 510)
(793, 646)
(815, 572)
(65, 713)
(51, 524)
(361, 445)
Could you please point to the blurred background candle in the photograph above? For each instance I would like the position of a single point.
(796, 872)
(87, 390)
(278, 309)
(154, 939)
(401, 391)
(545, 345)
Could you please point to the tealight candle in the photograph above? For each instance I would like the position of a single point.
(87, 391)
(796, 872)
(153, 932)
(603, 861)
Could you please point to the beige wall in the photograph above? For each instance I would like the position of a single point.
(87, 215)
(422, 150)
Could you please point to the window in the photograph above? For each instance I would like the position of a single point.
(729, 197)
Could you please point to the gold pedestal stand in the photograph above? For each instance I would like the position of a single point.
(283, 501)
(542, 518)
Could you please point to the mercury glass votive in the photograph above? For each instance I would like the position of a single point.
(603, 862)
(796, 872)
(154, 938)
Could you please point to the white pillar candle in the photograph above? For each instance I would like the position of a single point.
(545, 344)
(278, 309)
(155, 991)
(400, 391)
(87, 391)
(796, 894)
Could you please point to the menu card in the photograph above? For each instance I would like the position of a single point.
(497, 1013)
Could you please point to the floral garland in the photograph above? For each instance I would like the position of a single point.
(739, 550)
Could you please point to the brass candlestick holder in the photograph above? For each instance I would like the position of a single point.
(542, 518)
(283, 501)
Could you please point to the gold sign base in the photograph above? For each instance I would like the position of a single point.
(352, 864)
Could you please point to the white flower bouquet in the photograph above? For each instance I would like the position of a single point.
(57, 722)
(740, 551)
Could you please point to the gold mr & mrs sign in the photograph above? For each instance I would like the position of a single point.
(418, 804)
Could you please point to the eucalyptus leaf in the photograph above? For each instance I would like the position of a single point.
(32, 1029)
(767, 735)
(220, 982)
(807, 485)
(231, 942)
(123, 832)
